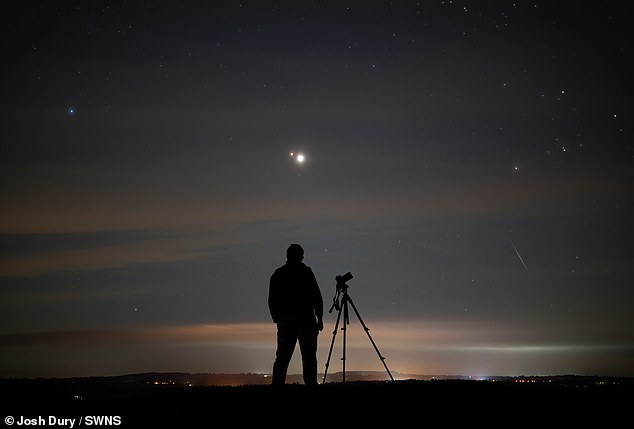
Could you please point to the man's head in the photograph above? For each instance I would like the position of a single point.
(294, 253)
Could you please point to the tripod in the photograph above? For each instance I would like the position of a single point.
(340, 302)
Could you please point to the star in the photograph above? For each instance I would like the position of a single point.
(72, 110)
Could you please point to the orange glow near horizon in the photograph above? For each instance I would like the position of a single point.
(413, 347)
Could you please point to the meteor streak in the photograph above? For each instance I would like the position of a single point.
(519, 256)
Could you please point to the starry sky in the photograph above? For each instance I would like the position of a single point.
(470, 162)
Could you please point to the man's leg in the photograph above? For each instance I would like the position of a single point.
(308, 346)
(286, 340)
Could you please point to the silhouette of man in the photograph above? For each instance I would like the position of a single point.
(297, 308)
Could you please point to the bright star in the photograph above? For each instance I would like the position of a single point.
(300, 158)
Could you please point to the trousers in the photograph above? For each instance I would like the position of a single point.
(289, 332)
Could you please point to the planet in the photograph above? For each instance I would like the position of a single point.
(300, 158)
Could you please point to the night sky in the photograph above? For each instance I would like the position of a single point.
(470, 162)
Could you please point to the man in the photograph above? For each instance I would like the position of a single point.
(297, 308)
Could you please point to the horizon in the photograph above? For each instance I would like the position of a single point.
(250, 348)
(179, 378)
(470, 163)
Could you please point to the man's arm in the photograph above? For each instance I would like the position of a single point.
(318, 302)
(273, 298)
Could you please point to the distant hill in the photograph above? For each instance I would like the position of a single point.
(252, 379)
(213, 379)
(222, 379)
(256, 378)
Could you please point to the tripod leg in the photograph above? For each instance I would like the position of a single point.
(367, 331)
(344, 305)
(332, 343)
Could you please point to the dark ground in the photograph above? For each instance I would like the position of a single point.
(507, 403)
